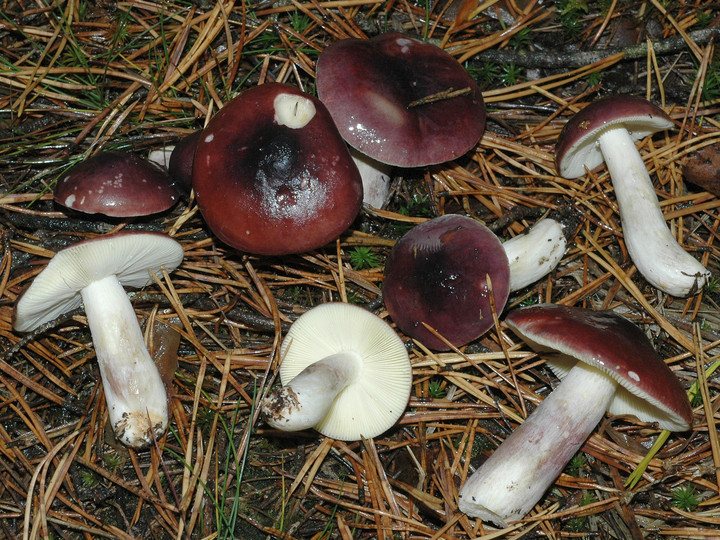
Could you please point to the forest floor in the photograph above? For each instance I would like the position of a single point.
(78, 76)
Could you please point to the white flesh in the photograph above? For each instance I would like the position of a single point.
(134, 392)
(535, 254)
(375, 178)
(293, 111)
(651, 245)
(307, 398)
(517, 474)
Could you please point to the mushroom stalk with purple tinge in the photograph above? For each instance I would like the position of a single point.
(605, 363)
(344, 371)
(607, 130)
(93, 272)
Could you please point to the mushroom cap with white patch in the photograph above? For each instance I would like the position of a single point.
(131, 256)
(648, 389)
(400, 100)
(116, 184)
(272, 174)
(577, 146)
(373, 402)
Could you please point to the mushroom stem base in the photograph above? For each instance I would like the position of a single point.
(517, 474)
(134, 391)
(306, 400)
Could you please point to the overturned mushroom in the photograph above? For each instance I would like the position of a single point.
(93, 272)
(344, 371)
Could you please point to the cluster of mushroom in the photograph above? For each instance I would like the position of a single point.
(273, 175)
(446, 278)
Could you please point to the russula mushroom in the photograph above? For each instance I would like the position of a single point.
(605, 363)
(116, 184)
(93, 272)
(606, 130)
(272, 174)
(344, 372)
(438, 272)
(399, 100)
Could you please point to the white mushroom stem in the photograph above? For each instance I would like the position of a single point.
(161, 157)
(134, 392)
(535, 254)
(651, 245)
(515, 476)
(375, 178)
(306, 400)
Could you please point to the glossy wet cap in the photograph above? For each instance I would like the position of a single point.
(116, 184)
(437, 274)
(133, 257)
(374, 90)
(617, 347)
(577, 146)
(272, 174)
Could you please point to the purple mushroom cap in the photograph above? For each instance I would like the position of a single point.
(438, 274)
(379, 91)
(116, 184)
(272, 174)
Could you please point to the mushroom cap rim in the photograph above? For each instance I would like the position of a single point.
(56, 289)
(664, 393)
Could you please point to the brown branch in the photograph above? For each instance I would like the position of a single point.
(575, 59)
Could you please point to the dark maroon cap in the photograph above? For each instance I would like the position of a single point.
(273, 175)
(377, 92)
(612, 344)
(116, 184)
(437, 274)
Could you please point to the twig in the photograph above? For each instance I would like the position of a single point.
(575, 59)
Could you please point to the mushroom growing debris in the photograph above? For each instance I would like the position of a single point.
(401, 101)
(116, 184)
(606, 363)
(272, 174)
(344, 372)
(607, 130)
(93, 272)
(437, 274)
